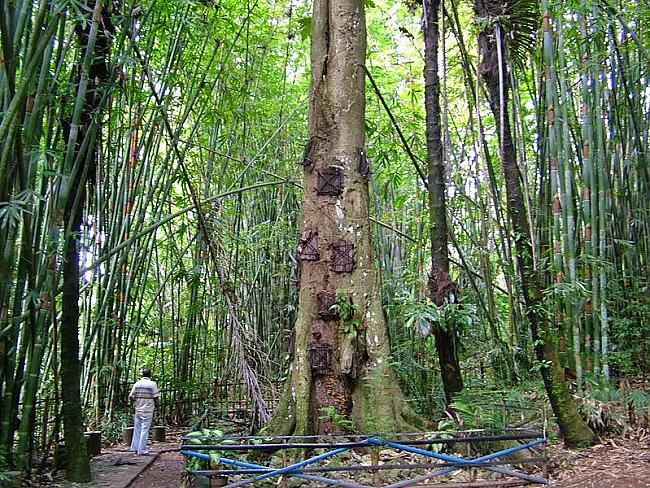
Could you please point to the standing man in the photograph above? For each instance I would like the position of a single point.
(144, 397)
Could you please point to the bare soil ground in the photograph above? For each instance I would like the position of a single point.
(614, 463)
(164, 472)
(115, 467)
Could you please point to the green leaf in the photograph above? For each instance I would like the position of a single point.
(639, 399)
(305, 27)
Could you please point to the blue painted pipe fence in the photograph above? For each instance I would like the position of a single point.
(265, 472)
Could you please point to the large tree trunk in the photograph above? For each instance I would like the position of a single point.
(341, 376)
(94, 40)
(493, 70)
(441, 287)
(78, 465)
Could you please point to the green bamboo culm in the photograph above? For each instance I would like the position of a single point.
(567, 184)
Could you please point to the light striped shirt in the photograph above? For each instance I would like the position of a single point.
(143, 393)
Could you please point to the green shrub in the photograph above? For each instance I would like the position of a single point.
(210, 437)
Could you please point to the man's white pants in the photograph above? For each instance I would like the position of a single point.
(141, 425)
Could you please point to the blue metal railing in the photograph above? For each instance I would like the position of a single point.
(304, 468)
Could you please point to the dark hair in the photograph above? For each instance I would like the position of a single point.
(146, 372)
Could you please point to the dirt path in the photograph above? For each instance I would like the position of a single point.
(164, 472)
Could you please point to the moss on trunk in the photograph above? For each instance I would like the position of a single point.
(573, 428)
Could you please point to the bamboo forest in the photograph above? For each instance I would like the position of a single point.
(324, 242)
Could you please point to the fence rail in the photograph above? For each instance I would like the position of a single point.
(178, 405)
(430, 462)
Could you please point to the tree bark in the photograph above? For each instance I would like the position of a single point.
(493, 70)
(441, 287)
(78, 463)
(359, 391)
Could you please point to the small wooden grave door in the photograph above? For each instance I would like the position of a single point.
(308, 156)
(363, 166)
(320, 358)
(308, 246)
(343, 254)
(330, 181)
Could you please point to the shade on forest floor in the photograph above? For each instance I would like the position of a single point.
(116, 467)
